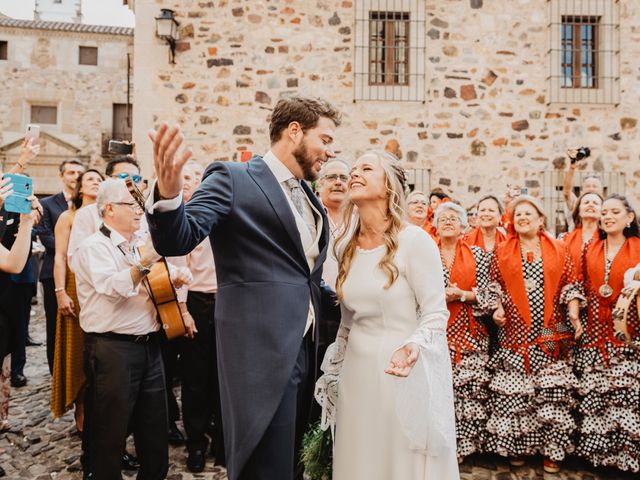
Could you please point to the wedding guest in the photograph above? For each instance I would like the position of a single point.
(609, 430)
(487, 233)
(466, 280)
(586, 216)
(54, 205)
(532, 382)
(12, 260)
(68, 380)
(418, 212)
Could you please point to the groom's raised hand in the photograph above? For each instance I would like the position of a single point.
(166, 142)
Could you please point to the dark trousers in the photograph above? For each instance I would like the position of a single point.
(200, 388)
(278, 453)
(125, 384)
(170, 352)
(21, 311)
(50, 313)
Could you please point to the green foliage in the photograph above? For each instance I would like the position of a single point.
(317, 453)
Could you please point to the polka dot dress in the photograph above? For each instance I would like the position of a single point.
(609, 391)
(531, 389)
(469, 347)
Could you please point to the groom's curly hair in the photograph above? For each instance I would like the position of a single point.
(304, 110)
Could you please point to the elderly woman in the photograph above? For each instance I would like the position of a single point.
(466, 277)
(418, 211)
(538, 312)
(586, 215)
(609, 370)
(487, 234)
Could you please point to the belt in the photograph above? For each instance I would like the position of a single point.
(142, 339)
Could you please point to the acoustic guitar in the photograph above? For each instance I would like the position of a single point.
(160, 287)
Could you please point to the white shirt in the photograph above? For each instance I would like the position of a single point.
(282, 174)
(86, 222)
(109, 302)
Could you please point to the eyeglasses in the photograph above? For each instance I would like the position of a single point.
(450, 220)
(132, 205)
(472, 214)
(125, 175)
(334, 176)
(416, 202)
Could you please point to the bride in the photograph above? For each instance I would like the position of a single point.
(387, 388)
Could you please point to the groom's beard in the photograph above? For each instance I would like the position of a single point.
(304, 160)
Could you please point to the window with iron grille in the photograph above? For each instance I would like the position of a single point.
(579, 52)
(585, 51)
(390, 50)
(88, 55)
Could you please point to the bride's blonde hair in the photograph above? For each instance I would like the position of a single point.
(397, 187)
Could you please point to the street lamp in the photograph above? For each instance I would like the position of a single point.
(167, 29)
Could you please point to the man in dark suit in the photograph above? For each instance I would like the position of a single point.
(53, 207)
(269, 235)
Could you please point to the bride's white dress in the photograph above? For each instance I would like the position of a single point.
(386, 427)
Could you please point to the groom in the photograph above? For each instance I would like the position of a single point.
(269, 235)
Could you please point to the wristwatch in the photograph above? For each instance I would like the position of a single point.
(143, 269)
(463, 297)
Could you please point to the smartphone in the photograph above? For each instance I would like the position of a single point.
(18, 201)
(33, 131)
(120, 148)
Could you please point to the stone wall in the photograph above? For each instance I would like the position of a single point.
(486, 121)
(43, 69)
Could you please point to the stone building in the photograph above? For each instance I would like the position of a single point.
(74, 81)
(478, 94)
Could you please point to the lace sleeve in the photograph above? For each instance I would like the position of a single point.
(425, 400)
(326, 389)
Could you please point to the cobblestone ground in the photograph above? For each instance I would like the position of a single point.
(46, 449)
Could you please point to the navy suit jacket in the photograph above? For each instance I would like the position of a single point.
(264, 289)
(53, 206)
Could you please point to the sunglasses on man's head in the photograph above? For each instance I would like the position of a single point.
(125, 175)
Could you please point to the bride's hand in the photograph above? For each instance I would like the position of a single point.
(403, 360)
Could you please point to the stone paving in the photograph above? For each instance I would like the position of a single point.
(47, 449)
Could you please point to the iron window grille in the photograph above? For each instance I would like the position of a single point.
(584, 51)
(390, 50)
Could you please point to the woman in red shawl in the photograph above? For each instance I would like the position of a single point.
(466, 275)
(487, 234)
(538, 312)
(586, 215)
(609, 370)
(417, 212)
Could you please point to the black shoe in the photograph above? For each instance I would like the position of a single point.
(196, 461)
(129, 462)
(32, 343)
(88, 476)
(18, 381)
(175, 435)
